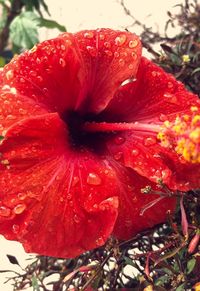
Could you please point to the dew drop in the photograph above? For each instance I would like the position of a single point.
(100, 241)
(120, 40)
(77, 218)
(118, 156)
(10, 117)
(170, 85)
(38, 61)
(134, 55)
(116, 54)
(133, 43)
(92, 51)
(5, 211)
(62, 47)
(62, 62)
(108, 53)
(101, 36)
(9, 74)
(131, 66)
(39, 78)
(75, 181)
(150, 141)
(121, 62)
(93, 179)
(21, 196)
(15, 228)
(22, 111)
(19, 208)
(154, 73)
(21, 80)
(88, 34)
(135, 152)
(68, 42)
(107, 44)
(69, 196)
(119, 140)
(163, 117)
(170, 98)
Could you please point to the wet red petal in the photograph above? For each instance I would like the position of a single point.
(15, 107)
(110, 57)
(152, 99)
(153, 96)
(53, 193)
(133, 217)
(80, 71)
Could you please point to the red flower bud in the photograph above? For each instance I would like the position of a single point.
(194, 243)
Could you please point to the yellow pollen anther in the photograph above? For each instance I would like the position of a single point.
(183, 136)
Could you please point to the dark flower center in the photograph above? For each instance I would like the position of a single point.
(80, 137)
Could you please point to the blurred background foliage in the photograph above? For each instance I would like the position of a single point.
(166, 257)
(19, 24)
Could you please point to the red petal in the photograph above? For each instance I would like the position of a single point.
(15, 107)
(109, 57)
(153, 96)
(132, 217)
(80, 71)
(51, 193)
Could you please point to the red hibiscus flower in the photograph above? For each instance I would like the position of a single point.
(87, 123)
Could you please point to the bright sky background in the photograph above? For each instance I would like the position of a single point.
(87, 14)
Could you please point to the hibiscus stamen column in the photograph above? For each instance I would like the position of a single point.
(121, 126)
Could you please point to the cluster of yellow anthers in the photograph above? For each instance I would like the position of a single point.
(183, 135)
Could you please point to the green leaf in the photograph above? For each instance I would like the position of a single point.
(2, 61)
(42, 2)
(23, 30)
(35, 284)
(181, 287)
(50, 24)
(190, 265)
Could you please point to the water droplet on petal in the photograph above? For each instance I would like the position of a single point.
(22, 111)
(116, 54)
(163, 117)
(77, 218)
(62, 47)
(39, 78)
(100, 241)
(101, 36)
(5, 211)
(9, 74)
(108, 53)
(19, 208)
(62, 62)
(75, 180)
(120, 40)
(118, 156)
(107, 44)
(133, 43)
(21, 196)
(10, 117)
(135, 152)
(93, 179)
(119, 140)
(170, 98)
(134, 55)
(150, 141)
(170, 85)
(88, 34)
(69, 196)
(92, 51)
(121, 62)
(15, 228)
